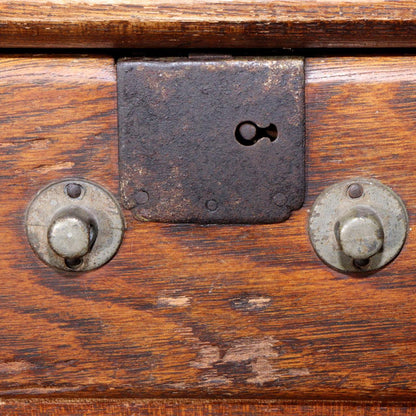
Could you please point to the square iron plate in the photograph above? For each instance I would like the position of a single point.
(211, 141)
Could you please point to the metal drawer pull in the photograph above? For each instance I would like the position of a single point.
(74, 225)
(358, 225)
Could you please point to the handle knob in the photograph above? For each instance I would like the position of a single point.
(360, 233)
(358, 225)
(71, 237)
(74, 225)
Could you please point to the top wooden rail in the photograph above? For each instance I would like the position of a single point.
(207, 23)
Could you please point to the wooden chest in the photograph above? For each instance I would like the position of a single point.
(194, 319)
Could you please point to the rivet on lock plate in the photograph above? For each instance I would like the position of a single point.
(217, 140)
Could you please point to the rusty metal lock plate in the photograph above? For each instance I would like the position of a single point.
(211, 140)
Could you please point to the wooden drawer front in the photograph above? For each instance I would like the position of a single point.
(196, 311)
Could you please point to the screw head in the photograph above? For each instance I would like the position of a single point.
(211, 205)
(141, 197)
(279, 199)
(73, 190)
(355, 190)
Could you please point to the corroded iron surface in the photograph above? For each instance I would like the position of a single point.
(212, 141)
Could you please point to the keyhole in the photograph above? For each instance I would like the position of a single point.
(248, 133)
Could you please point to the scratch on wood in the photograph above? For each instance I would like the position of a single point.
(212, 378)
(250, 349)
(299, 372)
(35, 143)
(175, 302)
(250, 303)
(178, 386)
(15, 367)
(54, 167)
(257, 354)
(39, 143)
(258, 303)
(263, 370)
(208, 355)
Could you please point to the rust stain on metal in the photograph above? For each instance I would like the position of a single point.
(212, 141)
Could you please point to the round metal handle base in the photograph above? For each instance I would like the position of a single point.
(358, 225)
(74, 225)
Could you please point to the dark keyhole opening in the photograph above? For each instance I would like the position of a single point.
(249, 133)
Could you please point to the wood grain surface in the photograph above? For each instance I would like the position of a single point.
(204, 311)
(201, 408)
(207, 23)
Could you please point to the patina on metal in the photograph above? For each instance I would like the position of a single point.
(358, 225)
(211, 140)
(74, 225)
(70, 236)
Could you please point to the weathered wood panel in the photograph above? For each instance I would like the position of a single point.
(196, 311)
(207, 23)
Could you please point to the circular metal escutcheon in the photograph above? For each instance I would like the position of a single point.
(336, 202)
(74, 200)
